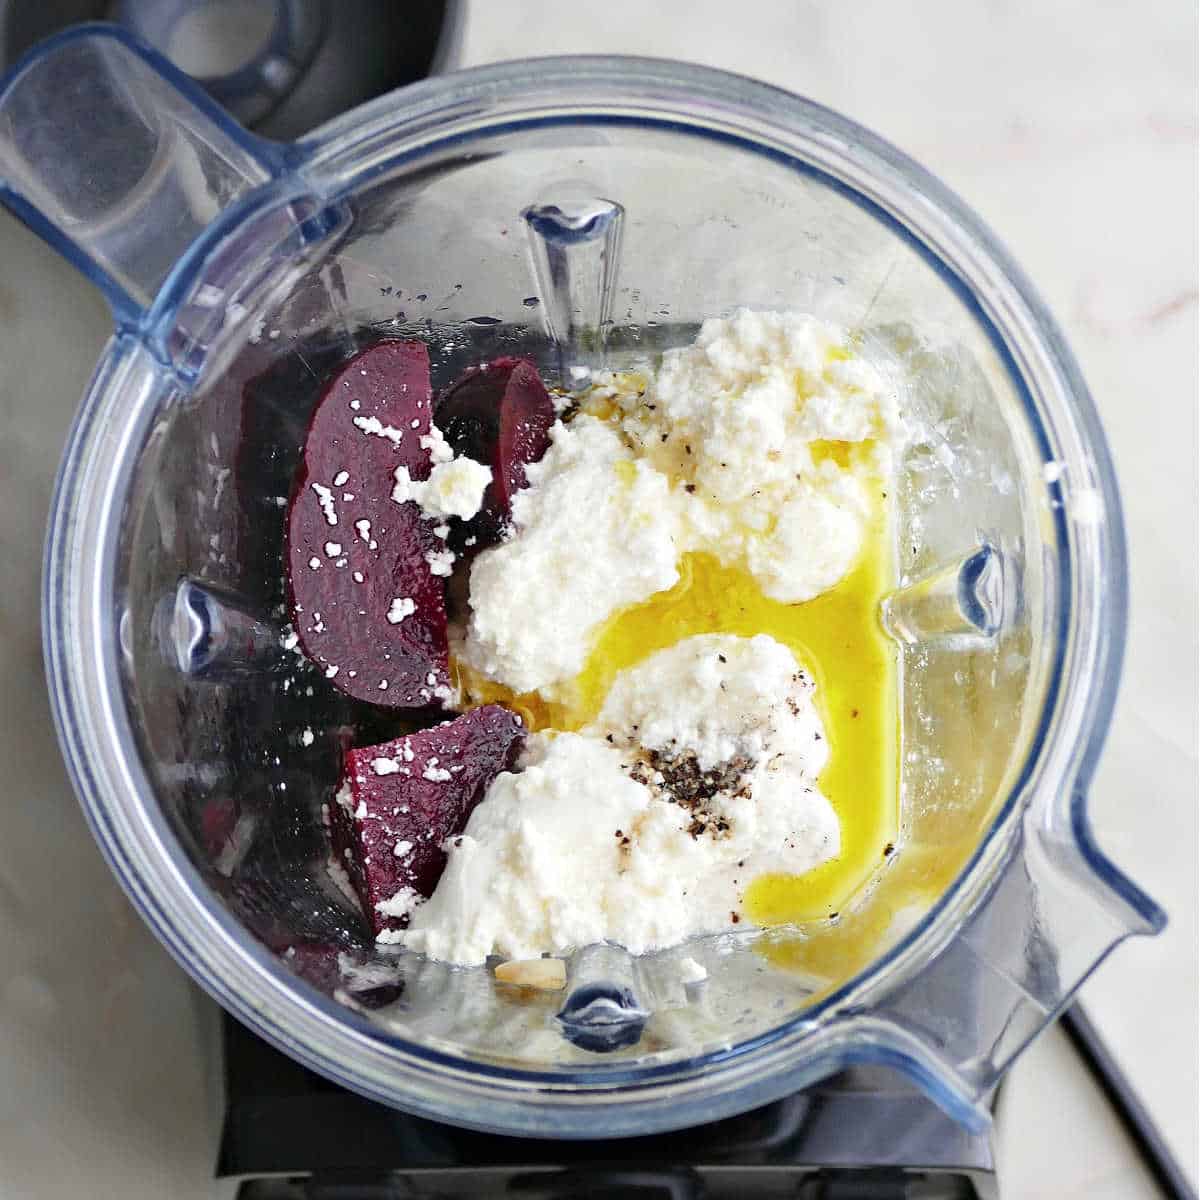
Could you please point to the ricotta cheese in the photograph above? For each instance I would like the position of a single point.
(454, 488)
(645, 828)
(719, 451)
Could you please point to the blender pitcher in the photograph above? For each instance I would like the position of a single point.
(588, 213)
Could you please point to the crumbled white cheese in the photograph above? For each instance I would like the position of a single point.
(307, 737)
(454, 488)
(719, 697)
(435, 442)
(595, 531)
(753, 390)
(401, 607)
(384, 766)
(325, 499)
(577, 849)
(441, 562)
(404, 902)
(374, 427)
(434, 773)
(815, 539)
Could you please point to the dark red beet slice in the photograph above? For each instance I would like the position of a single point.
(353, 554)
(399, 801)
(526, 415)
(499, 414)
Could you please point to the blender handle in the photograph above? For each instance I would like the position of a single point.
(118, 160)
(1055, 913)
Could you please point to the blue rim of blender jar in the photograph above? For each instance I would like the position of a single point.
(1105, 653)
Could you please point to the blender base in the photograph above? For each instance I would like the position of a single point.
(290, 1134)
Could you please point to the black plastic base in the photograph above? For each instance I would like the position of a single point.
(292, 1135)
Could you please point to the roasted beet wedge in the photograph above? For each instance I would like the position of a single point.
(500, 415)
(399, 801)
(364, 602)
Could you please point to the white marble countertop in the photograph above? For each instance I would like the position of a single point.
(1072, 129)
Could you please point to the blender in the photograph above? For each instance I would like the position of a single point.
(588, 213)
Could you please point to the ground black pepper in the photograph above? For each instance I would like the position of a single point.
(679, 779)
